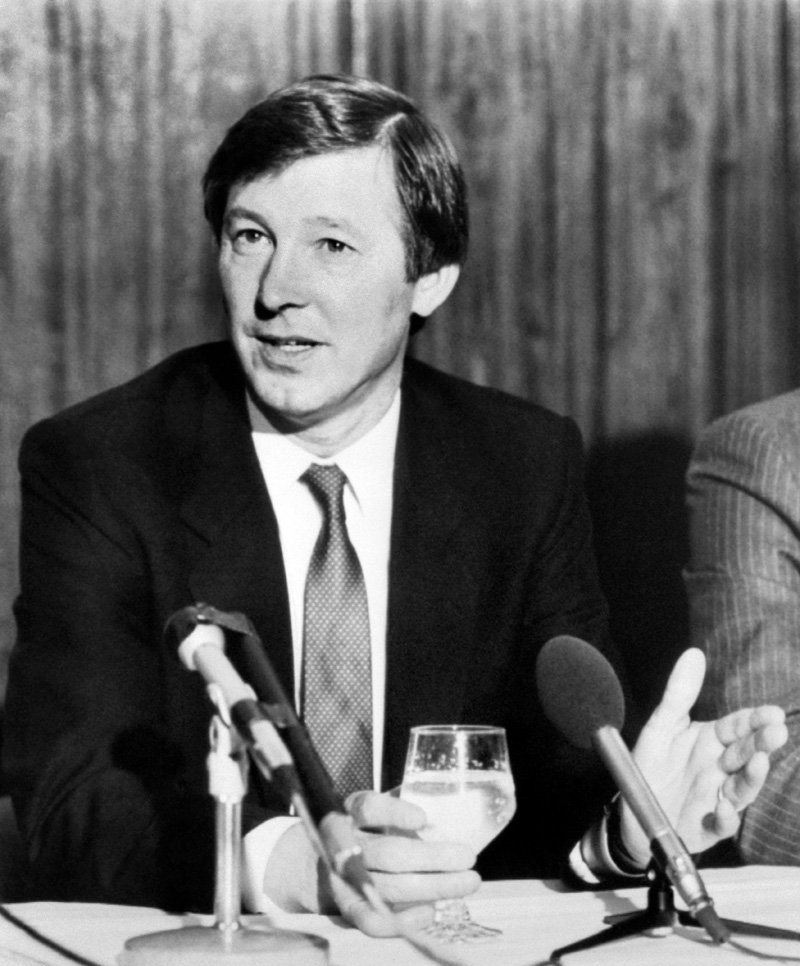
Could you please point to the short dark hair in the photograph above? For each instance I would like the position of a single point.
(325, 113)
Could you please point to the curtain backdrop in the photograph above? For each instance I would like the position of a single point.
(633, 168)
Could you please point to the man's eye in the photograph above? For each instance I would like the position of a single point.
(249, 235)
(247, 239)
(335, 246)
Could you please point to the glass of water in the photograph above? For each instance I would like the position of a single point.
(460, 776)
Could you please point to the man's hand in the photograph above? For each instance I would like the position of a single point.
(702, 773)
(409, 874)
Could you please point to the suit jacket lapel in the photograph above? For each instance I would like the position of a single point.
(233, 544)
(430, 557)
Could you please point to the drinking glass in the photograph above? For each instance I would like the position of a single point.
(460, 776)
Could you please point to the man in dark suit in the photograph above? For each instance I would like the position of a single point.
(341, 219)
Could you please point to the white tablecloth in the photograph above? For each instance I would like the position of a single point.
(535, 917)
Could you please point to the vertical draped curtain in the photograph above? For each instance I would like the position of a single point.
(633, 168)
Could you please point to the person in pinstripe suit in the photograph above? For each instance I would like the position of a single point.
(743, 582)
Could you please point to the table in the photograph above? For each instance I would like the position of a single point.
(535, 917)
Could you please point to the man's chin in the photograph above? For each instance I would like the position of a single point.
(284, 413)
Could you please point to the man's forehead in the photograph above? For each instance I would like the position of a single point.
(357, 159)
(345, 183)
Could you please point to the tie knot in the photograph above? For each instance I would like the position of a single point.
(326, 483)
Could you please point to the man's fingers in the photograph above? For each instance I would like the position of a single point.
(361, 915)
(765, 742)
(742, 787)
(416, 887)
(415, 893)
(767, 718)
(374, 810)
(772, 737)
(682, 690)
(725, 819)
(376, 922)
(402, 922)
(387, 853)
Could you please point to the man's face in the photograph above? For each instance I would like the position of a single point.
(312, 265)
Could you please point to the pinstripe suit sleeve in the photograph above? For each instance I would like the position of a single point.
(743, 582)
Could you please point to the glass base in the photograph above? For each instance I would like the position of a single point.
(211, 946)
(453, 924)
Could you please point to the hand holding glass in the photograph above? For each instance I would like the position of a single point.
(460, 776)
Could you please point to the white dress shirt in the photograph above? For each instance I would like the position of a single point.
(369, 466)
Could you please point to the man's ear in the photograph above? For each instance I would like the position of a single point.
(432, 289)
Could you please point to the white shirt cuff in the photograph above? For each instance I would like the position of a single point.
(591, 859)
(580, 868)
(257, 848)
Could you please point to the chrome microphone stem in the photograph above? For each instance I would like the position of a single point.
(227, 768)
(667, 848)
(228, 865)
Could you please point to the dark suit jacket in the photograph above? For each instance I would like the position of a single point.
(149, 497)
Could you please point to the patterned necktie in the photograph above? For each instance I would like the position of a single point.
(337, 678)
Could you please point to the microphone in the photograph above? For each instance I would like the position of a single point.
(328, 823)
(199, 630)
(582, 697)
(333, 822)
(203, 650)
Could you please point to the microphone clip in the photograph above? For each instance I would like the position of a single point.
(184, 621)
(228, 762)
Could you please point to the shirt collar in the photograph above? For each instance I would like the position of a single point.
(368, 463)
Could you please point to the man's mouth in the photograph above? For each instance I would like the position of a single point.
(297, 344)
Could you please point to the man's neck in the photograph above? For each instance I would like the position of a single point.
(328, 437)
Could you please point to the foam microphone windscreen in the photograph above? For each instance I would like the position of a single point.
(579, 690)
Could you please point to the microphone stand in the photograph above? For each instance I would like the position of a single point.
(227, 940)
(659, 918)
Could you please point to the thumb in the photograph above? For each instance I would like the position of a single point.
(377, 919)
(682, 690)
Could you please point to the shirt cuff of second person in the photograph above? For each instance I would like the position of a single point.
(600, 856)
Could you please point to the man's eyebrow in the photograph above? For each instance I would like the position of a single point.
(315, 221)
(326, 221)
(239, 212)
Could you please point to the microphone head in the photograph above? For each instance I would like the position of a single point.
(202, 635)
(579, 690)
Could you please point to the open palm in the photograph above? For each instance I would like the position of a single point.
(704, 773)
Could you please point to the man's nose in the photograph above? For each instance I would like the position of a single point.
(280, 284)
